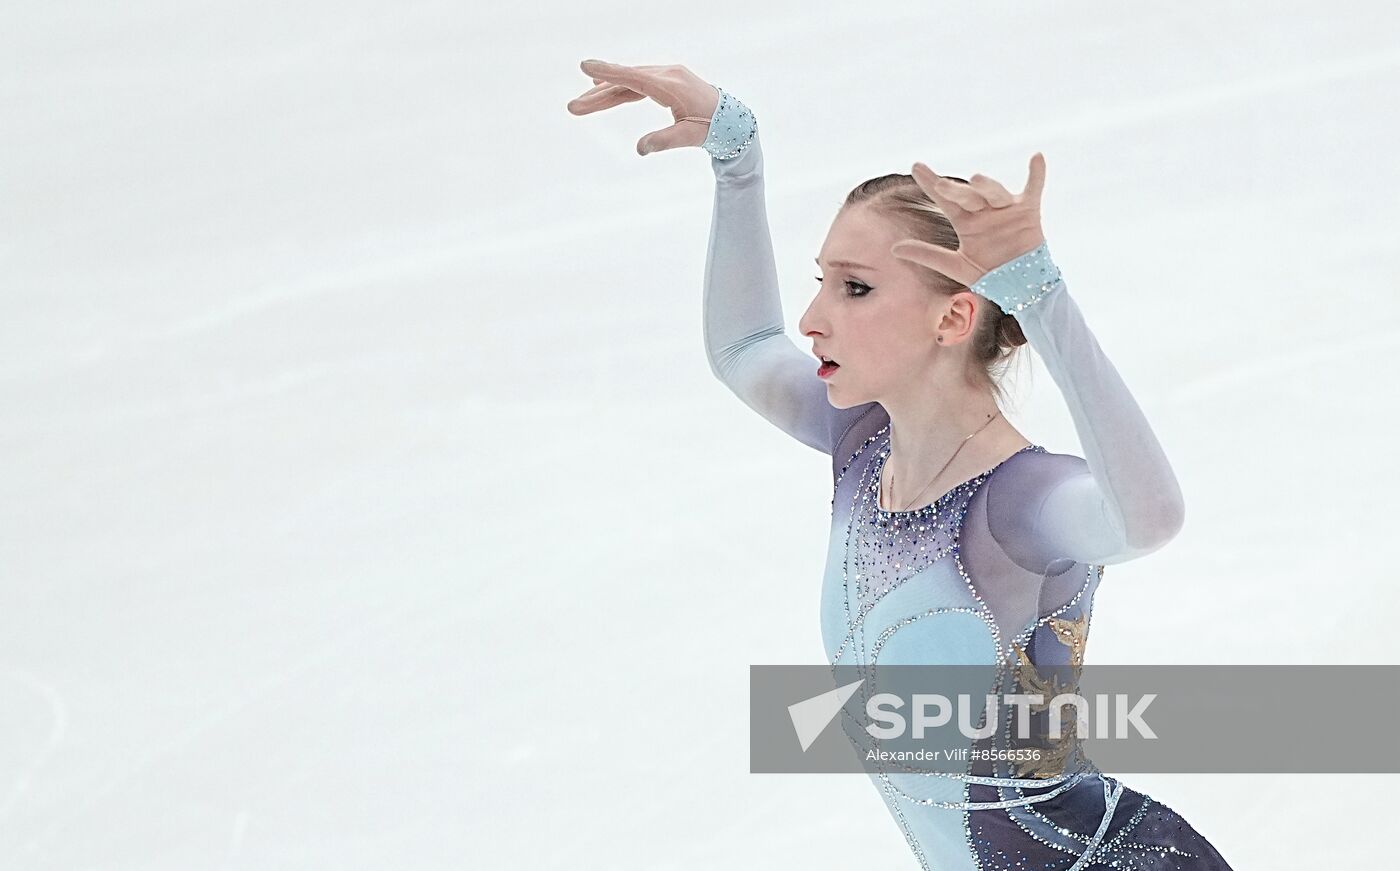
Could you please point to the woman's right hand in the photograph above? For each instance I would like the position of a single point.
(691, 99)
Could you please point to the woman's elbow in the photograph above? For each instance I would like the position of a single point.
(1165, 522)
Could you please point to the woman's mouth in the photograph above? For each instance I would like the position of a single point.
(827, 367)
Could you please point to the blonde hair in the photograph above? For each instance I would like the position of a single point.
(996, 334)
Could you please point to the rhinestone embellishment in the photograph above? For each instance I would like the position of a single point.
(732, 127)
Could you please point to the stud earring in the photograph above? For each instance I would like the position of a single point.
(940, 338)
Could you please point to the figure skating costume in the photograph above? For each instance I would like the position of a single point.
(1000, 570)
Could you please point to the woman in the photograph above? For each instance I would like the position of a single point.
(928, 284)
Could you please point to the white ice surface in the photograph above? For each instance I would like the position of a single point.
(368, 501)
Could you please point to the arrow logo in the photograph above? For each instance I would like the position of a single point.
(811, 716)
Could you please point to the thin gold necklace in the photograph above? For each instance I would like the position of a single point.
(893, 501)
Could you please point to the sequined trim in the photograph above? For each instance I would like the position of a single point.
(1021, 282)
(732, 127)
(873, 546)
(1093, 575)
(884, 549)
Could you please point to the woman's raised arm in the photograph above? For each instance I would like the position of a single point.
(745, 341)
(1122, 501)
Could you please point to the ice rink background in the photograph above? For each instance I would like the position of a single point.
(369, 503)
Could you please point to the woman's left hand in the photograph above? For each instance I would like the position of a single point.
(993, 225)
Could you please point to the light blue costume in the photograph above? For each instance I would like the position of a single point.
(1001, 568)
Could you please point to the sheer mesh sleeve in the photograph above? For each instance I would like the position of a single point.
(743, 316)
(1121, 500)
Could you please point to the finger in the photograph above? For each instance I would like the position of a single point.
(633, 77)
(937, 258)
(991, 190)
(1035, 184)
(953, 264)
(599, 86)
(675, 136)
(959, 194)
(644, 80)
(650, 67)
(598, 81)
(964, 195)
(927, 181)
(612, 95)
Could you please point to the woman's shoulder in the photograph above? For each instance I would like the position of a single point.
(1014, 496)
(1036, 466)
(1027, 477)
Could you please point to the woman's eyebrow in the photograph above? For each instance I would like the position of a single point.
(847, 263)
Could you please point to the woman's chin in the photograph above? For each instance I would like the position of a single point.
(841, 397)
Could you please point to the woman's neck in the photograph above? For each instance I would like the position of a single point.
(927, 431)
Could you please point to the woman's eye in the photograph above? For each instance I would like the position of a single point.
(853, 288)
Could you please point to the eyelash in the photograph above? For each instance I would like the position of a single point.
(848, 284)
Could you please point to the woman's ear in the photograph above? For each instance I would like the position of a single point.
(955, 318)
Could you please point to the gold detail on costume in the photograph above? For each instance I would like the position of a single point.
(1030, 680)
(1053, 759)
(1054, 752)
(1073, 634)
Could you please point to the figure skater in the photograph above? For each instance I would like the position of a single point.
(928, 284)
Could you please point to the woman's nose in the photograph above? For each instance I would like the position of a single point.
(812, 323)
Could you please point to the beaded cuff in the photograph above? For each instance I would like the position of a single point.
(1021, 282)
(732, 127)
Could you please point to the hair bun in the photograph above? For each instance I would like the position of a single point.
(1009, 333)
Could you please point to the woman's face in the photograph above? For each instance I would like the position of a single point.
(873, 314)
